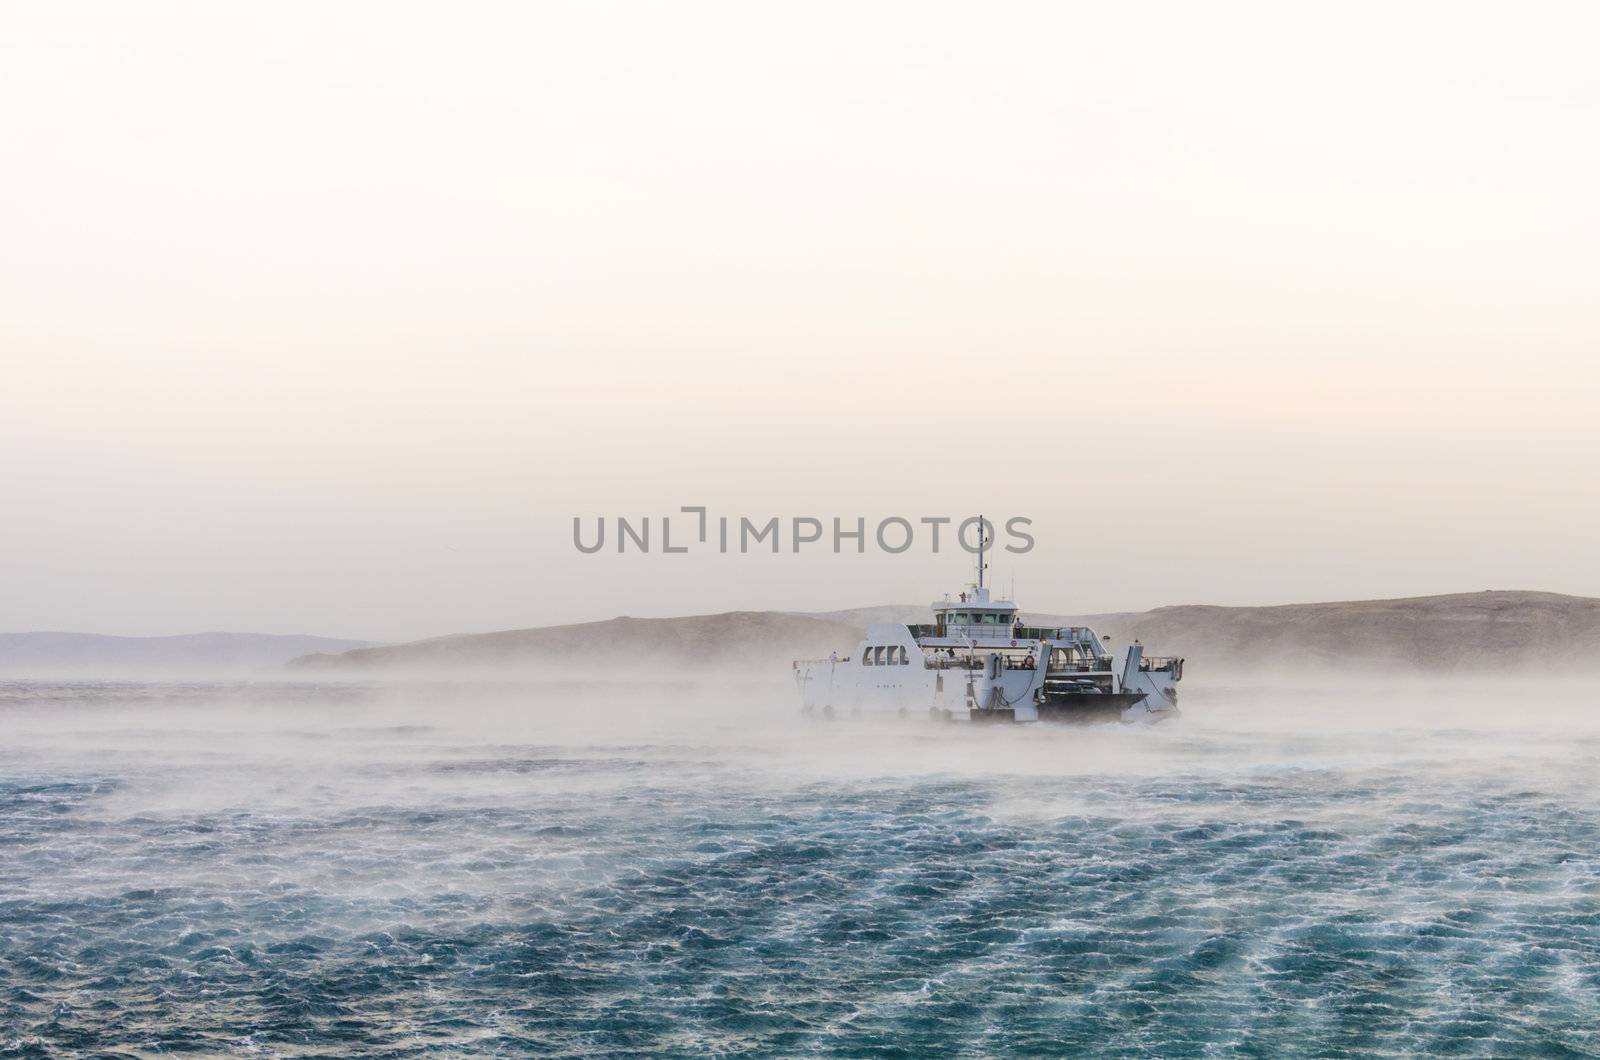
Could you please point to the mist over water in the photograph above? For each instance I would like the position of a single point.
(350, 869)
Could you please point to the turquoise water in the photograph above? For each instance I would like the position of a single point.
(290, 870)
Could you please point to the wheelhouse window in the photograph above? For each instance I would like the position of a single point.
(866, 656)
(877, 656)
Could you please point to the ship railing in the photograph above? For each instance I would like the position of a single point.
(1044, 633)
(795, 664)
(1080, 666)
(957, 662)
(988, 632)
(977, 662)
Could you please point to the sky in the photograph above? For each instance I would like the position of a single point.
(332, 318)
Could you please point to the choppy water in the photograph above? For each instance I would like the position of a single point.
(286, 870)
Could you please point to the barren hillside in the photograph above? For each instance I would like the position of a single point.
(1467, 631)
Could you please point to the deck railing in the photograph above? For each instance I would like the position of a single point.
(1075, 634)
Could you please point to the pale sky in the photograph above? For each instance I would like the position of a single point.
(329, 318)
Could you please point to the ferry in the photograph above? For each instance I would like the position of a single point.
(978, 662)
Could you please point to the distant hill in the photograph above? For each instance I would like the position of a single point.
(737, 640)
(93, 654)
(1468, 631)
(1496, 630)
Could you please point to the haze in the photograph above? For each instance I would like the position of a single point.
(330, 319)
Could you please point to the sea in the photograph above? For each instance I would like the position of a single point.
(266, 868)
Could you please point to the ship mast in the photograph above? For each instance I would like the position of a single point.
(981, 546)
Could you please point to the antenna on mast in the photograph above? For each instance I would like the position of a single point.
(981, 546)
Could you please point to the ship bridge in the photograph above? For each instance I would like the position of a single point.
(974, 621)
(974, 616)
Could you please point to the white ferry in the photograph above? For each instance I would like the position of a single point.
(978, 662)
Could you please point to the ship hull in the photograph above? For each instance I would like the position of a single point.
(1083, 708)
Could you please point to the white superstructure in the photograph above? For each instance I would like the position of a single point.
(976, 660)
